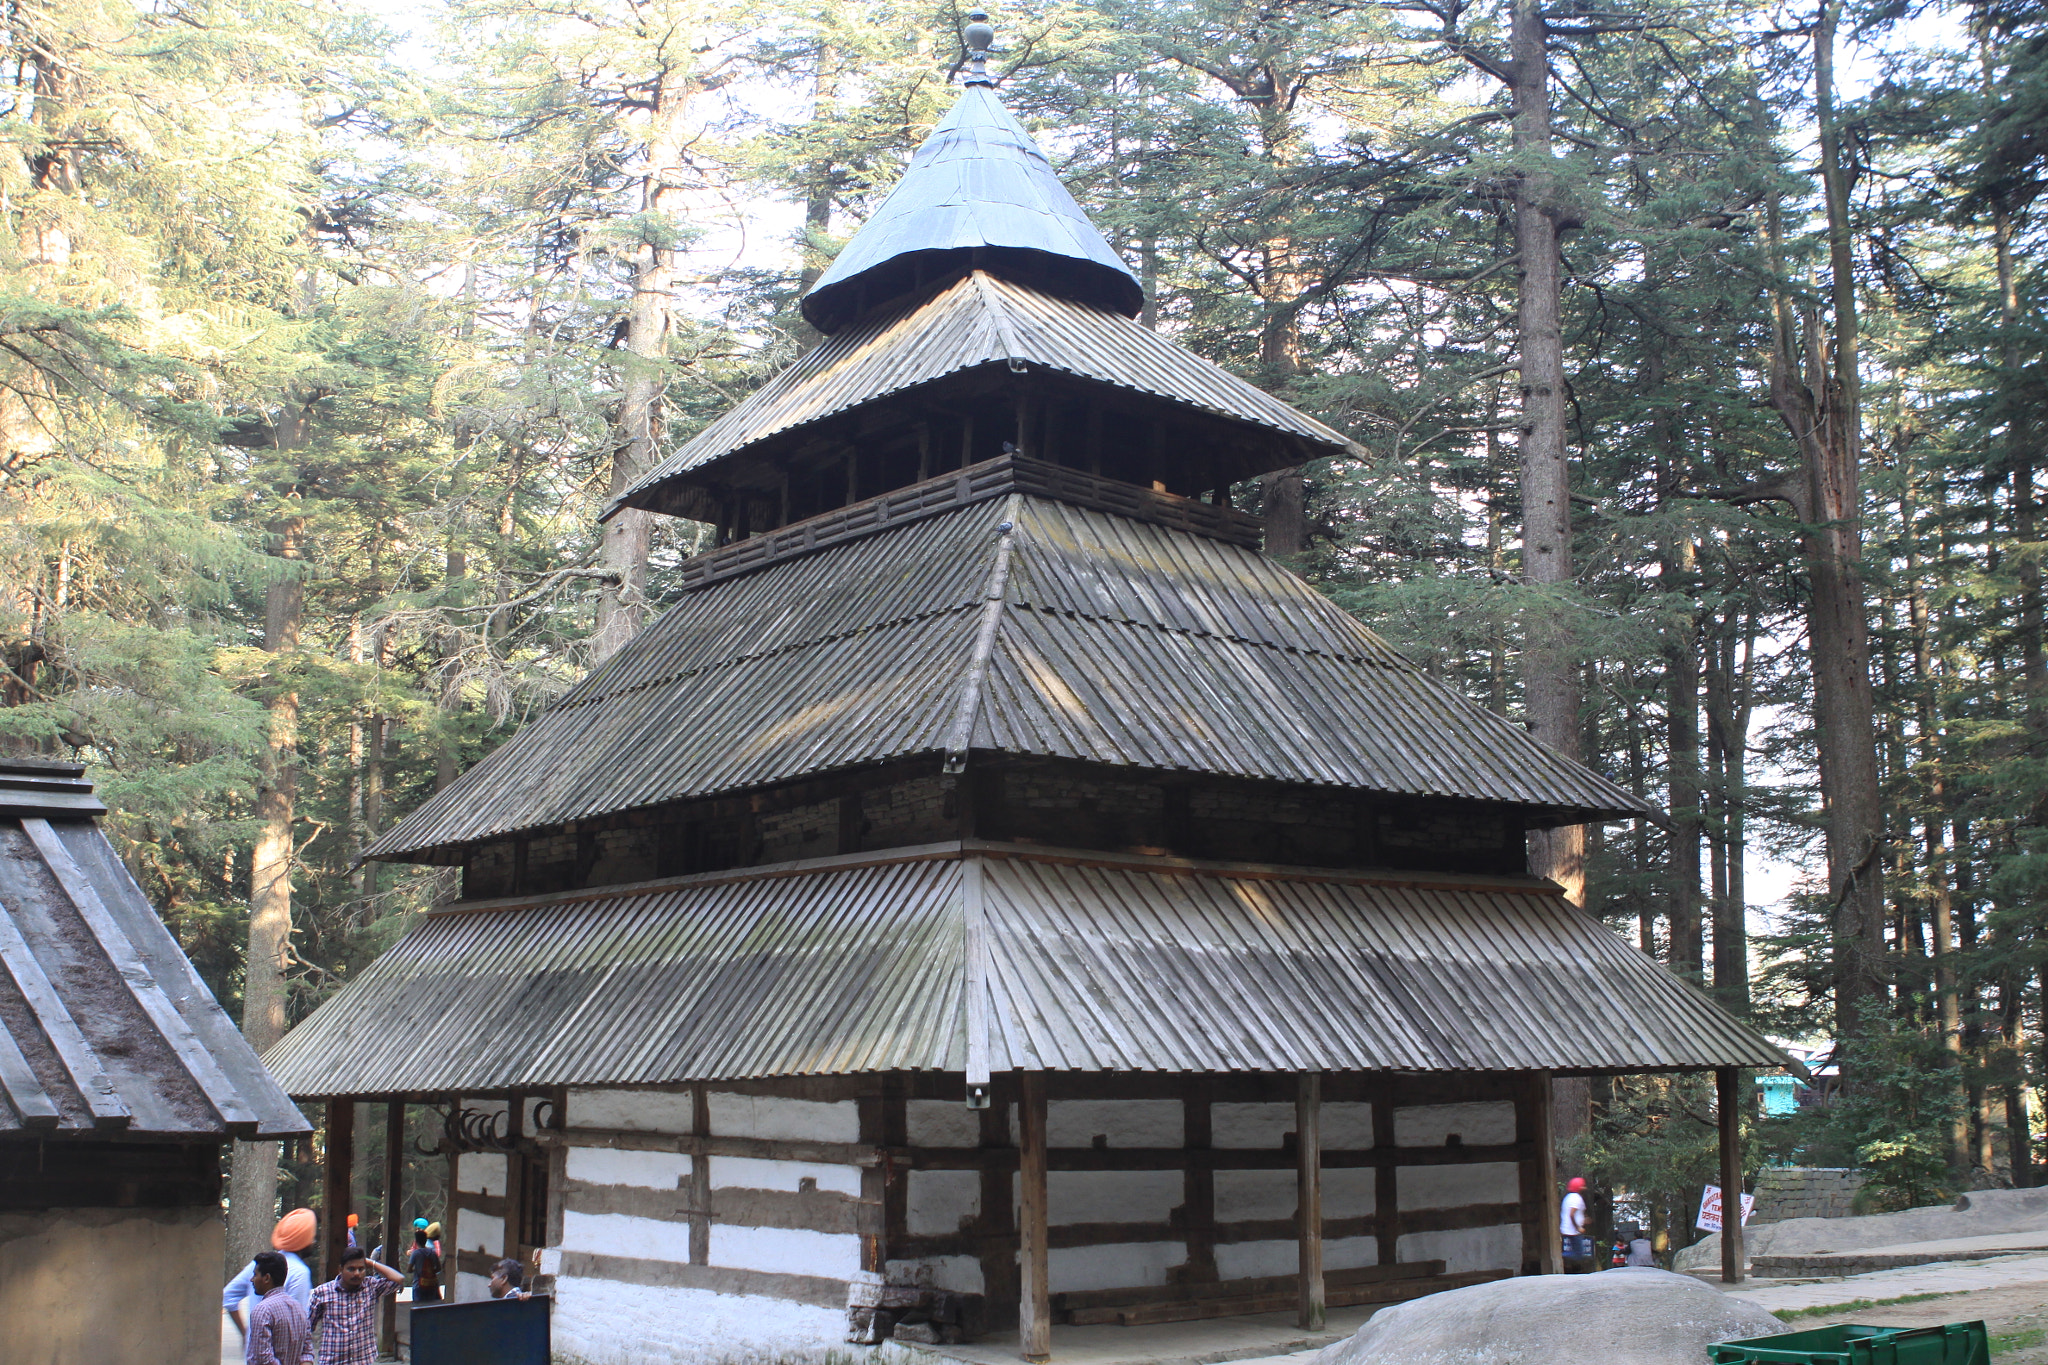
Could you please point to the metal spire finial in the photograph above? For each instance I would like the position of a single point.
(979, 36)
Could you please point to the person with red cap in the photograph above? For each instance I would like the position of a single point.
(292, 1236)
(1571, 1222)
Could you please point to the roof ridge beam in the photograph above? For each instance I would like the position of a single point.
(80, 1062)
(962, 731)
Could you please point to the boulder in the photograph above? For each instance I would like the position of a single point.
(1617, 1317)
(1977, 1214)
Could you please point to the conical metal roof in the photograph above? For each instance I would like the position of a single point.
(979, 192)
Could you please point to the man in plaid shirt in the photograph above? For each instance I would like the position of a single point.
(344, 1318)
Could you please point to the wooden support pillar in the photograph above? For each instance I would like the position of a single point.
(1730, 1089)
(1308, 1211)
(396, 1240)
(335, 1191)
(1034, 1308)
(1543, 1243)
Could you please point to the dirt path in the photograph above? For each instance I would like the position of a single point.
(2017, 1317)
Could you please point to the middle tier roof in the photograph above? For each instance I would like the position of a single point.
(1019, 625)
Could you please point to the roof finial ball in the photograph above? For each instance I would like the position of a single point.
(979, 36)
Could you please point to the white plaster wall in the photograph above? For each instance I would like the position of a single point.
(943, 1123)
(483, 1232)
(603, 1322)
(1117, 1266)
(1350, 1192)
(960, 1274)
(1494, 1248)
(644, 1170)
(755, 1173)
(1347, 1126)
(644, 1111)
(621, 1234)
(1122, 1123)
(771, 1116)
(480, 1173)
(1448, 1187)
(470, 1288)
(938, 1202)
(1245, 1195)
(1113, 1196)
(787, 1251)
(1255, 1260)
(1477, 1125)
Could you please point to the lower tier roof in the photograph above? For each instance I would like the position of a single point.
(982, 957)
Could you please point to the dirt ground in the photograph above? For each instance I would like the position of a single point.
(2017, 1317)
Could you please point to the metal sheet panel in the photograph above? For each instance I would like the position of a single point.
(1122, 642)
(977, 181)
(982, 320)
(114, 1029)
(1091, 963)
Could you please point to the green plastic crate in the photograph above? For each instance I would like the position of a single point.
(1955, 1343)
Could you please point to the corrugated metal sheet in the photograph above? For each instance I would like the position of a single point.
(1120, 642)
(104, 1025)
(1091, 964)
(982, 320)
(838, 971)
(977, 181)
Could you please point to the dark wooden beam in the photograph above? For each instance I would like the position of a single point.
(341, 1155)
(1542, 1243)
(396, 1242)
(1035, 1299)
(1728, 1083)
(1308, 1212)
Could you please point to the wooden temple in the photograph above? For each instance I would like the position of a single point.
(996, 896)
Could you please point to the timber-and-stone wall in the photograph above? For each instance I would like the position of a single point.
(1785, 1192)
(736, 1216)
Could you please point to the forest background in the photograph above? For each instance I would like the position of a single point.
(321, 345)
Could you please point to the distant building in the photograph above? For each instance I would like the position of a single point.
(122, 1079)
(996, 892)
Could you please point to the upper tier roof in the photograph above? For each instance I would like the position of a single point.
(1105, 639)
(977, 192)
(105, 1028)
(980, 320)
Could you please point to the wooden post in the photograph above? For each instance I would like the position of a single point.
(396, 1242)
(341, 1156)
(1034, 1307)
(1539, 1173)
(1728, 1084)
(1308, 1212)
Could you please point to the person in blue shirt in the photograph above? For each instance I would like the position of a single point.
(292, 1236)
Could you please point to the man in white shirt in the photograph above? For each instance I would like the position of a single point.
(1571, 1223)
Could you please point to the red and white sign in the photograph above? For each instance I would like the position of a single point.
(1710, 1209)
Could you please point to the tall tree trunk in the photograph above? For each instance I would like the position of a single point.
(252, 1191)
(629, 536)
(1550, 680)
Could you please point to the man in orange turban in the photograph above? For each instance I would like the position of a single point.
(293, 1235)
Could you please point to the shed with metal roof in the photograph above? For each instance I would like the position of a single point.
(120, 1079)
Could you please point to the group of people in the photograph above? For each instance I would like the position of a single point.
(287, 1320)
(1578, 1241)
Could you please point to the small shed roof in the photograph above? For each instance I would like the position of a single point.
(105, 1027)
(1069, 961)
(1108, 640)
(980, 320)
(979, 190)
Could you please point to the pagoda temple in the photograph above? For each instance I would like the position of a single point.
(996, 899)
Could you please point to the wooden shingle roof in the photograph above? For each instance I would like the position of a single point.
(1020, 625)
(104, 1025)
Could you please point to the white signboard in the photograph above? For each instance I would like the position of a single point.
(1710, 1209)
